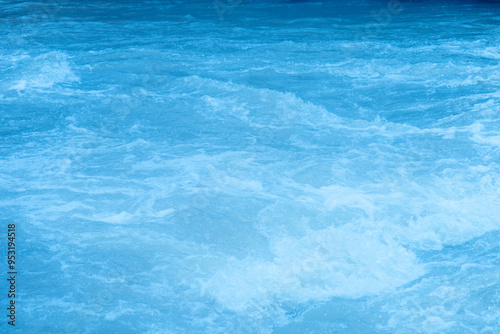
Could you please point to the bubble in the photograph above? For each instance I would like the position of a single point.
(200, 201)
(219, 178)
(114, 270)
(105, 297)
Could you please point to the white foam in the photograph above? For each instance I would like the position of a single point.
(45, 71)
(338, 196)
(259, 107)
(318, 266)
(119, 218)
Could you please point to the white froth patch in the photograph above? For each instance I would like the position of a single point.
(164, 213)
(20, 85)
(489, 140)
(250, 185)
(489, 52)
(457, 222)
(323, 264)
(45, 71)
(259, 107)
(119, 218)
(67, 207)
(118, 312)
(338, 196)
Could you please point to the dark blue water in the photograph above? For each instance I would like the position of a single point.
(252, 167)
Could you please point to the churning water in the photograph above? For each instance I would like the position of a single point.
(253, 166)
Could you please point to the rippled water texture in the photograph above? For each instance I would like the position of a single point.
(266, 167)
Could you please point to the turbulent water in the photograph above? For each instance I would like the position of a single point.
(259, 167)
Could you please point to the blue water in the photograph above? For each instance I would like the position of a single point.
(266, 167)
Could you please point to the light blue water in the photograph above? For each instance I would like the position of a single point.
(305, 167)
